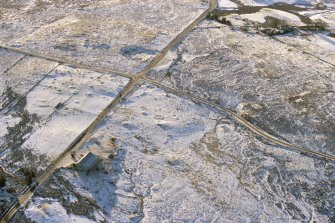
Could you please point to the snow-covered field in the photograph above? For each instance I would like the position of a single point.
(223, 3)
(275, 85)
(45, 107)
(260, 16)
(119, 35)
(180, 161)
(212, 131)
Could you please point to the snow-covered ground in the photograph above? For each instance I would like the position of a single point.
(180, 161)
(320, 45)
(119, 35)
(293, 2)
(163, 155)
(65, 102)
(51, 211)
(260, 16)
(309, 29)
(45, 107)
(327, 16)
(227, 4)
(232, 4)
(277, 86)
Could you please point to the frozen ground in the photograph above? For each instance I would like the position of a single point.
(175, 160)
(276, 86)
(119, 35)
(44, 107)
(304, 3)
(198, 111)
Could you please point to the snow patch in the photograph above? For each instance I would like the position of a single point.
(7, 121)
(227, 4)
(266, 12)
(271, 2)
(46, 210)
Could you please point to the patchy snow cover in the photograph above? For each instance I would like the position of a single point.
(227, 4)
(7, 60)
(43, 210)
(166, 158)
(66, 101)
(20, 78)
(177, 161)
(7, 121)
(271, 2)
(54, 137)
(27, 73)
(318, 44)
(278, 87)
(52, 115)
(57, 87)
(22, 74)
(267, 12)
(118, 35)
(327, 16)
(82, 95)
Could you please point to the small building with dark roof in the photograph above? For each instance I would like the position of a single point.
(87, 162)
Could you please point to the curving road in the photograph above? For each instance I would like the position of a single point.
(135, 80)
